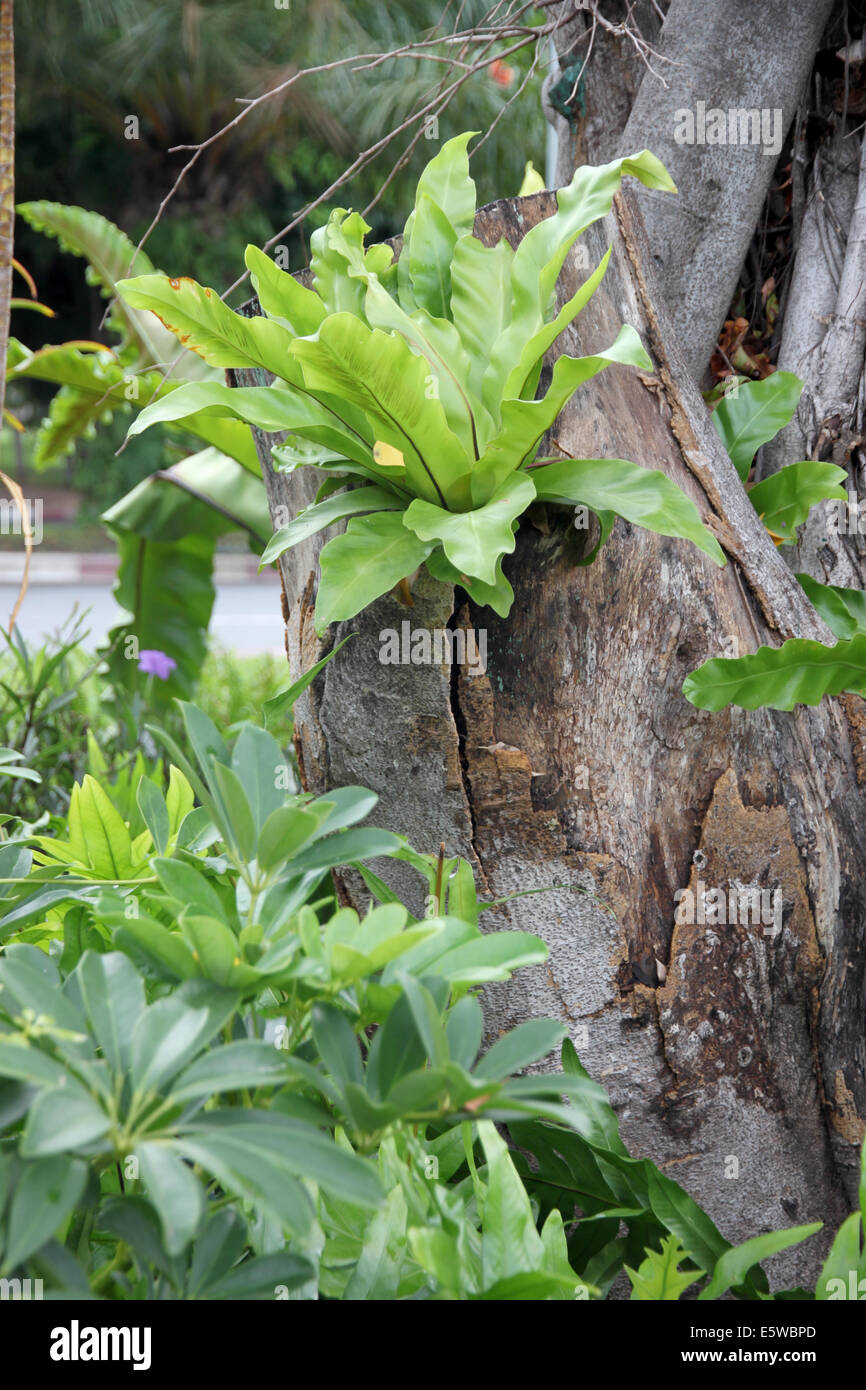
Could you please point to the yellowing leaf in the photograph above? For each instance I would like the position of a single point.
(387, 456)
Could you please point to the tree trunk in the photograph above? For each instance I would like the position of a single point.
(734, 1054)
(7, 182)
(824, 334)
(732, 56)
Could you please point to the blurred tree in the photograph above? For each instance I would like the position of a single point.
(107, 87)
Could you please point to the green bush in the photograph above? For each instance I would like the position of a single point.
(217, 1083)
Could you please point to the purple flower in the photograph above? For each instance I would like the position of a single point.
(154, 663)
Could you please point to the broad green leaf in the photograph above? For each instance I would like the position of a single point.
(426, 1018)
(424, 958)
(445, 181)
(345, 847)
(474, 541)
(373, 555)
(239, 815)
(25, 1062)
(334, 249)
(464, 1028)
(28, 980)
(843, 1259)
(207, 490)
(166, 529)
(149, 941)
(685, 1219)
(510, 1243)
(733, 1267)
(342, 807)
(659, 1278)
(166, 1037)
(526, 1043)
(36, 904)
(378, 372)
(207, 326)
(259, 1277)
(533, 182)
(110, 255)
(843, 610)
(525, 374)
(166, 589)
(112, 993)
(217, 1250)
(433, 339)
(299, 1149)
(542, 252)
(377, 1270)
(480, 299)
(337, 1044)
(439, 1253)
(536, 1286)
(241, 1167)
(753, 414)
(321, 514)
(283, 702)
(800, 672)
(646, 497)
(554, 1261)
(188, 885)
(205, 740)
(62, 1119)
(44, 1195)
(215, 949)
(107, 839)
(175, 1192)
(248, 1063)
(498, 596)
(155, 814)
(490, 957)
(523, 423)
(397, 1049)
(604, 1127)
(283, 834)
(784, 499)
(430, 249)
(282, 297)
(336, 425)
(136, 1223)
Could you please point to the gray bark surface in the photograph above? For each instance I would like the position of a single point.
(824, 344)
(730, 54)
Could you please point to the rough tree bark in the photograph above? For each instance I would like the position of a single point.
(823, 336)
(575, 764)
(730, 56)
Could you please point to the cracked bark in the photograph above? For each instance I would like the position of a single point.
(574, 764)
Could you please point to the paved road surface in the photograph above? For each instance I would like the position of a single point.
(246, 616)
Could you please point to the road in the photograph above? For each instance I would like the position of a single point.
(246, 616)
